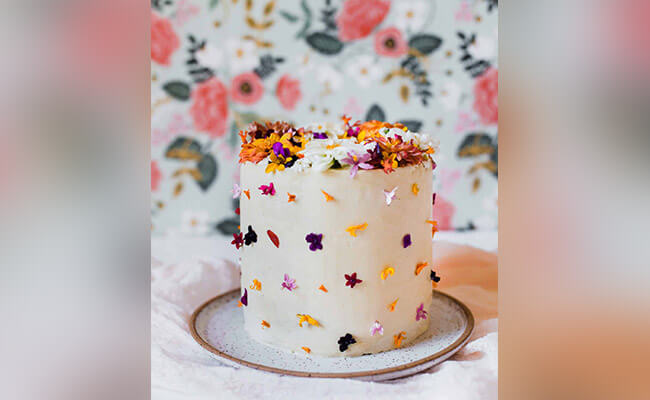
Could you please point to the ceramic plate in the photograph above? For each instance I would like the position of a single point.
(213, 324)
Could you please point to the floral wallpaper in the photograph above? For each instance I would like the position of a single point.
(217, 65)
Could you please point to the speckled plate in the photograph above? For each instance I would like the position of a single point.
(213, 324)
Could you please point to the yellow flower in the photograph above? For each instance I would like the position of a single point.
(388, 271)
(272, 167)
(415, 189)
(257, 285)
(306, 318)
(352, 229)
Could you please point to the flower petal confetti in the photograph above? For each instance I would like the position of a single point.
(434, 279)
(250, 237)
(388, 271)
(274, 238)
(391, 306)
(352, 280)
(268, 190)
(289, 283)
(420, 313)
(356, 161)
(434, 227)
(323, 288)
(247, 193)
(419, 267)
(415, 189)
(315, 241)
(236, 191)
(266, 324)
(306, 318)
(406, 240)
(244, 298)
(376, 328)
(307, 349)
(257, 285)
(390, 195)
(328, 197)
(238, 240)
(397, 339)
(292, 197)
(352, 230)
(345, 341)
(433, 202)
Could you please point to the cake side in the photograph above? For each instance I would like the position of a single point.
(364, 285)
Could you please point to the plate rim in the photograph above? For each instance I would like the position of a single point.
(455, 346)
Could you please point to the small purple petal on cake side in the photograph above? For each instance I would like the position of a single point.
(236, 191)
(390, 195)
(320, 135)
(376, 328)
(434, 199)
(406, 240)
(420, 313)
(238, 240)
(289, 283)
(345, 341)
(315, 241)
(352, 280)
(434, 279)
(250, 237)
(244, 298)
(268, 189)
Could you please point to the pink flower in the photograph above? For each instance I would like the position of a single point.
(156, 176)
(268, 189)
(288, 92)
(246, 88)
(359, 17)
(289, 283)
(443, 212)
(420, 313)
(163, 40)
(376, 328)
(390, 43)
(486, 90)
(210, 108)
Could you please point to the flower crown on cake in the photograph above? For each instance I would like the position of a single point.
(367, 145)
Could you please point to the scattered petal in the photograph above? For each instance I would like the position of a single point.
(247, 193)
(257, 285)
(292, 197)
(391, 306)
(306, 318)
(434, 227)
(388, 271)
(268, 190)
(244, 298)
(239, 304)
(420, 313)
(345, 341)
(307, 349)
(352, 230)
(273, 237)
(419, 266)
(250, 237)
(352, 280)
(328, 197)
(376, 328)
(434, 279)
(433, 202)
(397, 339)
(323, 288)
(289, 283)
(237, 210)
(415, 189)
(315, 241)
(406, 240)
(236, 191)
(390, 195)
(238, 240)
(266, 324)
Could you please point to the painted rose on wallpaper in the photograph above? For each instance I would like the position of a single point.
(209, 109)
(443, 212)
(288, 92)
(246, 88)
(389, 42)
(164, 40)
(358, 18)
(486, 90)
(156, 176)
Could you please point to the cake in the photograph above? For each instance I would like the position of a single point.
(336, 236)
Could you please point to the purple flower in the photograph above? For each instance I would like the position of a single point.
(289, 283)
(406, 240)
(320, 135)
(279, 150)
(352, 280)
(268, 189)
(353, 131)
(244, 298)
(314, 241)
(357, 161)
(420, 313)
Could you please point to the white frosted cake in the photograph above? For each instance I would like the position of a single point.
(336, 236)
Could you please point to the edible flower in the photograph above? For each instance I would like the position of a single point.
(250, 236)
(244, 298)
(433, 201)
(273, 237)
(419, 266)
(420, 313)
(352, 230)
(345, 341)
(391, 306)
(238, 240)
(306, 318)
(320, 135)
(406, 240)
(390, 195)
(352, 280)
(279, 150)
(307, 349)
(328, 197)
(315, 241)
(292, 197)
(236, 191)
(289, 283)
(434, 279)
(247, 193)
(323, 288)
(266, 324)
(434, 227)
(268, 189)
(376, 328)
(356, 161)
(257, 285)
(388, 271)
(397, 339)
(415, 189)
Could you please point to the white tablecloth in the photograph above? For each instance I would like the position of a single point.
(188, 271)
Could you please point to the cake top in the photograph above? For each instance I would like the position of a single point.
(345, 145)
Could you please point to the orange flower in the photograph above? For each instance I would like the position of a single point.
(307, 349)
(266, 324)
(397, 339)
(434, 227)
(328, 197)
(323, 288)
(418, 268)
(391, 306)
(292, 197)
(247, 193)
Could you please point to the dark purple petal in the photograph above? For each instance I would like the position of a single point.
(320, 135)
(244, 298)
(406, 240)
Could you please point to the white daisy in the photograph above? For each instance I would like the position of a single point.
(364, 70)
(411, 15)
(242, 55)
